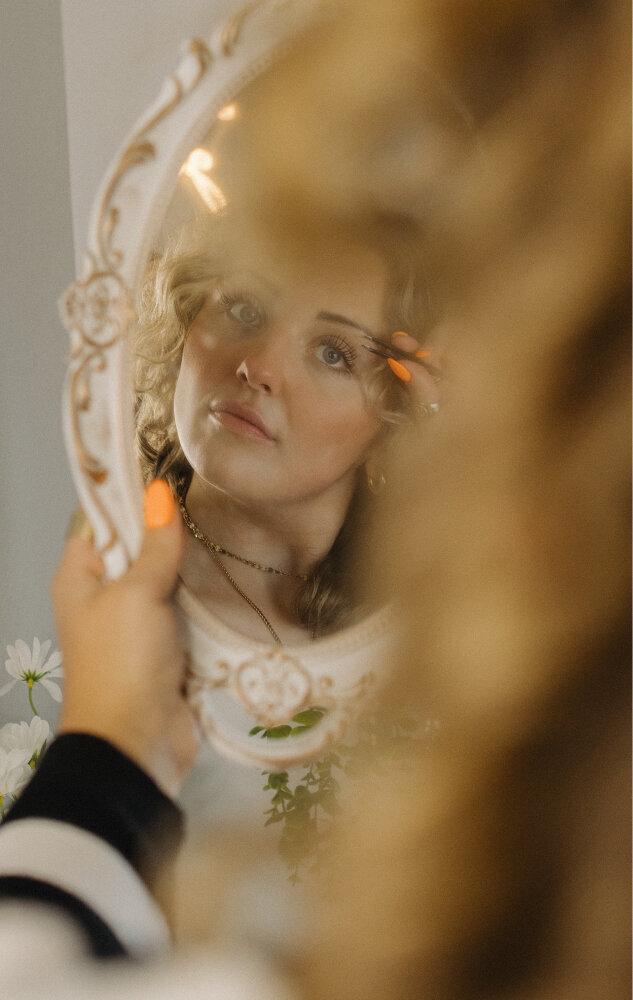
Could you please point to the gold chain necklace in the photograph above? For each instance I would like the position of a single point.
(215, 549)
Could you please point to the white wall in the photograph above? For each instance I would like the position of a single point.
(36, 264)
(74, 76)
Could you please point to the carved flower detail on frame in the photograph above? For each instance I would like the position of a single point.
(273, 687)
(97, 307)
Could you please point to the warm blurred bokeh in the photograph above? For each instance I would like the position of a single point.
(497, 864)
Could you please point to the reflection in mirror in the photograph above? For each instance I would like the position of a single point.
(259, 395)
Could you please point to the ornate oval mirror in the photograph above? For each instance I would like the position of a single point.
(201, 288)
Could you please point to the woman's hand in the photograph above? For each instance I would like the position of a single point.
(422, 382)
(123, 655)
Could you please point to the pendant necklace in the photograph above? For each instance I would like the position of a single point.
(216, 550)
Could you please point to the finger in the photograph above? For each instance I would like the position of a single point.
(161, 549)
(421, 381)
(405, 341)
(79, 525)
(420, 384)
(424, 385)
(401, 369)
(79, 574)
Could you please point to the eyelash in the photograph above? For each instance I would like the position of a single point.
(346, 351)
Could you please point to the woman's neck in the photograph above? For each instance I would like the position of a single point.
(293, 538)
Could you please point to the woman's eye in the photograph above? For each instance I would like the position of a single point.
(245, 313)
(240, 307)
(336, 357)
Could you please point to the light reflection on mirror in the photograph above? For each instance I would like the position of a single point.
(197, 167)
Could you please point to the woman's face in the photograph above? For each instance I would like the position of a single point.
(270, 401)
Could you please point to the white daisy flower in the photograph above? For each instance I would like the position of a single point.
(32, 667)
(14, 773)
(27, 737)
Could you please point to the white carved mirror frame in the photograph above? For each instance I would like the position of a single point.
(234, 680)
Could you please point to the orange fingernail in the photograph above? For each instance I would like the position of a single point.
(422, 354)
(158, 506)
(399, 333)
(399, 370)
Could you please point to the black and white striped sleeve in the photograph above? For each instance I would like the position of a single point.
(88, 836)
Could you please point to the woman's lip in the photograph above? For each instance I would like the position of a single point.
(241, 420)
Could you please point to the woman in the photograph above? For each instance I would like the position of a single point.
(262, 403)
(499, 867)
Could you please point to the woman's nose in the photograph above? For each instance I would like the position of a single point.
(264, 363)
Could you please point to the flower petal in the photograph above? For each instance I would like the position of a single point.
(17, 779)
(13, 665)
(52, 688)
(6, 687)
(22, 649)
(53, 661)
(35, 655)
(40, 731)
(10, 734)
(24, 739)
(16, 758)
(24, 657)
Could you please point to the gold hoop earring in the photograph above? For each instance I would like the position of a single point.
(376, 483)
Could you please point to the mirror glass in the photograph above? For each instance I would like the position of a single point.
(259, 397)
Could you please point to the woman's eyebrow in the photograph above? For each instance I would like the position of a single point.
(335, 318)
(239, 273)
